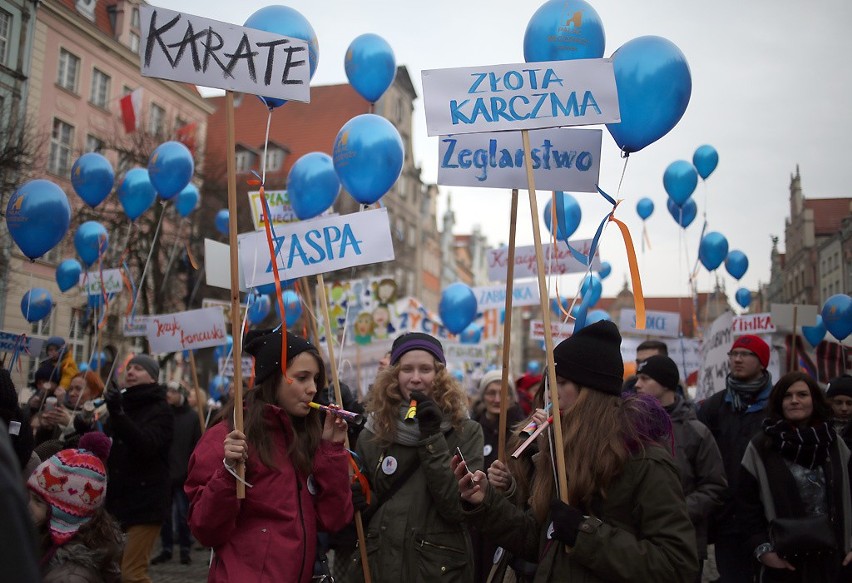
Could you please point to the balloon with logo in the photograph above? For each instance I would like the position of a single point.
(368, 157)
(312, 185)
(292, 307)
(472, 334)
(136, 193)
(644, 208)
(223, 221)
(187, 200)
(568, 215)
(562, 30)
(38, 215)
(91, 241)
(736, 263)
(680, 180)
(259, 309)
(92, 177)
(68, 274)
(654, 85)
(712, 250)
(223, 350)
(170, 168)
(743, 297)
(705, 160)
(36, 304)
(814, 334)
(591, 289)
(683, 215)
(370, 66)
(605, 270)
(457, 307)
(286, 21)
(837, 315)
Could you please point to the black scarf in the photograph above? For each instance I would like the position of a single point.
(806, 446)
(745, 393)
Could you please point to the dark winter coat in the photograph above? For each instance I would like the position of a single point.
(187, 432)
(78, 562)
(138, 464)
(490, 432)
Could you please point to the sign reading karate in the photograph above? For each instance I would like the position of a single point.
(317, 246)
(186, 330)
(656, 323)
(562, 159)
(559, 260)
(522, 96)
(524, 293)
(192, 49)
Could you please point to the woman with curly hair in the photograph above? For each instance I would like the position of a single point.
(626, 519)
(414, 512)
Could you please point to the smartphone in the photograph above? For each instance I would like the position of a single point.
(49, 403)
(461, 457)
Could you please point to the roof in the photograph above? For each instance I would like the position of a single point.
(102, 22)
(829, 213)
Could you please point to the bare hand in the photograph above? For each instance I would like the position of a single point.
(471, 486)
(58, 416)
(334, 429)
(848, 558)
(499, 476)
(539, 416)
(236, 448)
(772, 560)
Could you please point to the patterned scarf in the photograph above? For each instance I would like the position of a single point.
(806, 446)
(745, 393)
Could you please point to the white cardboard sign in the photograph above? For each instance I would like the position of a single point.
(10, 342)
(317, 246)
(783, 315)
(457, 352)
(714, 357)
(186, 330)
(524, 293)
(558, 330)
(134, 327)
(558, 262)
(112, 282)
(656, 323)
(192, 49)
(226, 366)
(519, 96)
(217, 265)
(562, 159)
(753, 324)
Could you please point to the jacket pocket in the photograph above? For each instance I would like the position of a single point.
(436, 560)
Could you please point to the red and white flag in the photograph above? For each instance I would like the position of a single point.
(131, 108)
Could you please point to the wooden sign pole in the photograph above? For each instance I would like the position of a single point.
(199, 405)
(507, 331)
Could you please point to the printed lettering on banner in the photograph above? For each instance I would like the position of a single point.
(656, 323)
(280, 208)
(525, 264)
(562, 159)
(493, 98)
(714, 357)
(558, 330)
(135, 326)
(524, 293)
(11, 342)
(457, 352)
(192, 329)
(192, 49)
(112, 282)
(317, 246)
(753, 324)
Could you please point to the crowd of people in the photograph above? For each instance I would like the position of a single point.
(637, 482)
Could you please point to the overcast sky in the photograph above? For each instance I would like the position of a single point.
(771, 90)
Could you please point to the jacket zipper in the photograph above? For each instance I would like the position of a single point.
(426, 543)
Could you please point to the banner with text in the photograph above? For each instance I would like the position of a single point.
(188, 330)
(280, 208)
(11, 342)
(714, 357)
(456, 352)
(656, 323)
(134, 327)
(112, 282)
(560, 262)
(524, 293)
(558, 330)
(753, 324)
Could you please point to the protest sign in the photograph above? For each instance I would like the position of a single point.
(685, 352)
(562, 159)
(559, 261)
(559, 331)
(519, 96)
(753, 324)
(280, 208)
(217, 262)
(225, 306)
(11, 342)
(456, 352)
(94, 284)
(656, 323)
(226, 366)
(186, 330)
(714, 357)
(135, 326)
(524, 293)
(785, 316)
(192, 49)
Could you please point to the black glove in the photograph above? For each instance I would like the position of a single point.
(359, 498)
(113, 401)
(566, 521)
(429, 415)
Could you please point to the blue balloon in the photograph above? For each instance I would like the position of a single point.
(370, 66)
(705, 159)
(223, 221)
(312, 185)
(92, 177)
(743, 297)
(68, 274)
(91, 241)
(218, 387)
(223, 350)
(97, 360)
(683, 215)
(83, 366)
(644, 208)
(259, 310)
(591, 289)
(680, 180)
(814, 334)
(712, 250)
(472, 334)
(187, 200)
(269, 288)
(36, 304)
(368, 157)
(837, 315)
(562, 30)
(457, 307)
(567, 218)
(654, 86)
(736, 263)
(596, 316)
(136, 193)
(292, 307)
(170, 168)
(605, 270)
(38, 215)
(533, 367)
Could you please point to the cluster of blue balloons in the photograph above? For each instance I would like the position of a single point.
(836, 315)
(680, 179)
(457, 307)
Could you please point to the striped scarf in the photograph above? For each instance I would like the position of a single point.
(806, 446)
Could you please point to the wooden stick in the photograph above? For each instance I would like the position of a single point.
(236, 331)
(199, 405)
(794, 362)
(309, 301)
(561, 474)
(507, 332)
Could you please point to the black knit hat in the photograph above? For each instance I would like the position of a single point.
(416, 341)
(592, 358)
(148, 364)
(265, 347)
(840, 386)
(662, 369)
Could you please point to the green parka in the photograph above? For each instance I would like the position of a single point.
(644, 533)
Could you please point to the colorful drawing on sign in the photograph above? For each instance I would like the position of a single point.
(279, 208)
(371, 304)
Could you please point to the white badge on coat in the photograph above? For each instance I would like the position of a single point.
(550, 531)
(389, 465)
(498, 554)
(486, 451)
(312, 485)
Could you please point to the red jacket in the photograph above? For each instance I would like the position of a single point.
(271, 535)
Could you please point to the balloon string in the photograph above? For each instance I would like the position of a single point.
(171, 257)
(29, 297)
(150, 253)
(104, 295)
(265, 146)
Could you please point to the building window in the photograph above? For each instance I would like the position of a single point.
(100, 88)
(94, 144)
(245, 161)
(60, 148)
(134, 42)
(134, 18)
(69, 65)
(5, 33)
(274, 159)
(156, 119)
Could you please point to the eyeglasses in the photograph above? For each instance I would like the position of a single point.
(734, 354)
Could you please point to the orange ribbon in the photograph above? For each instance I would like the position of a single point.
(635, 280)
(274, 262)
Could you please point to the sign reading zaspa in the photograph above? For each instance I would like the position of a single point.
(523, 96)
(562, 159)
(192, 49)
(558, 262)
(317, 246)
(186, 330)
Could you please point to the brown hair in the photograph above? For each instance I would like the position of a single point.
(822, 409)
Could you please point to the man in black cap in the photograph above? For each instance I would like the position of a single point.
(839, 393)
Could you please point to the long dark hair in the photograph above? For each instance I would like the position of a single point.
(306, 430)
(822, 410)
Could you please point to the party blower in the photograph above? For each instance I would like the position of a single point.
(412, 412)
(353, 418)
